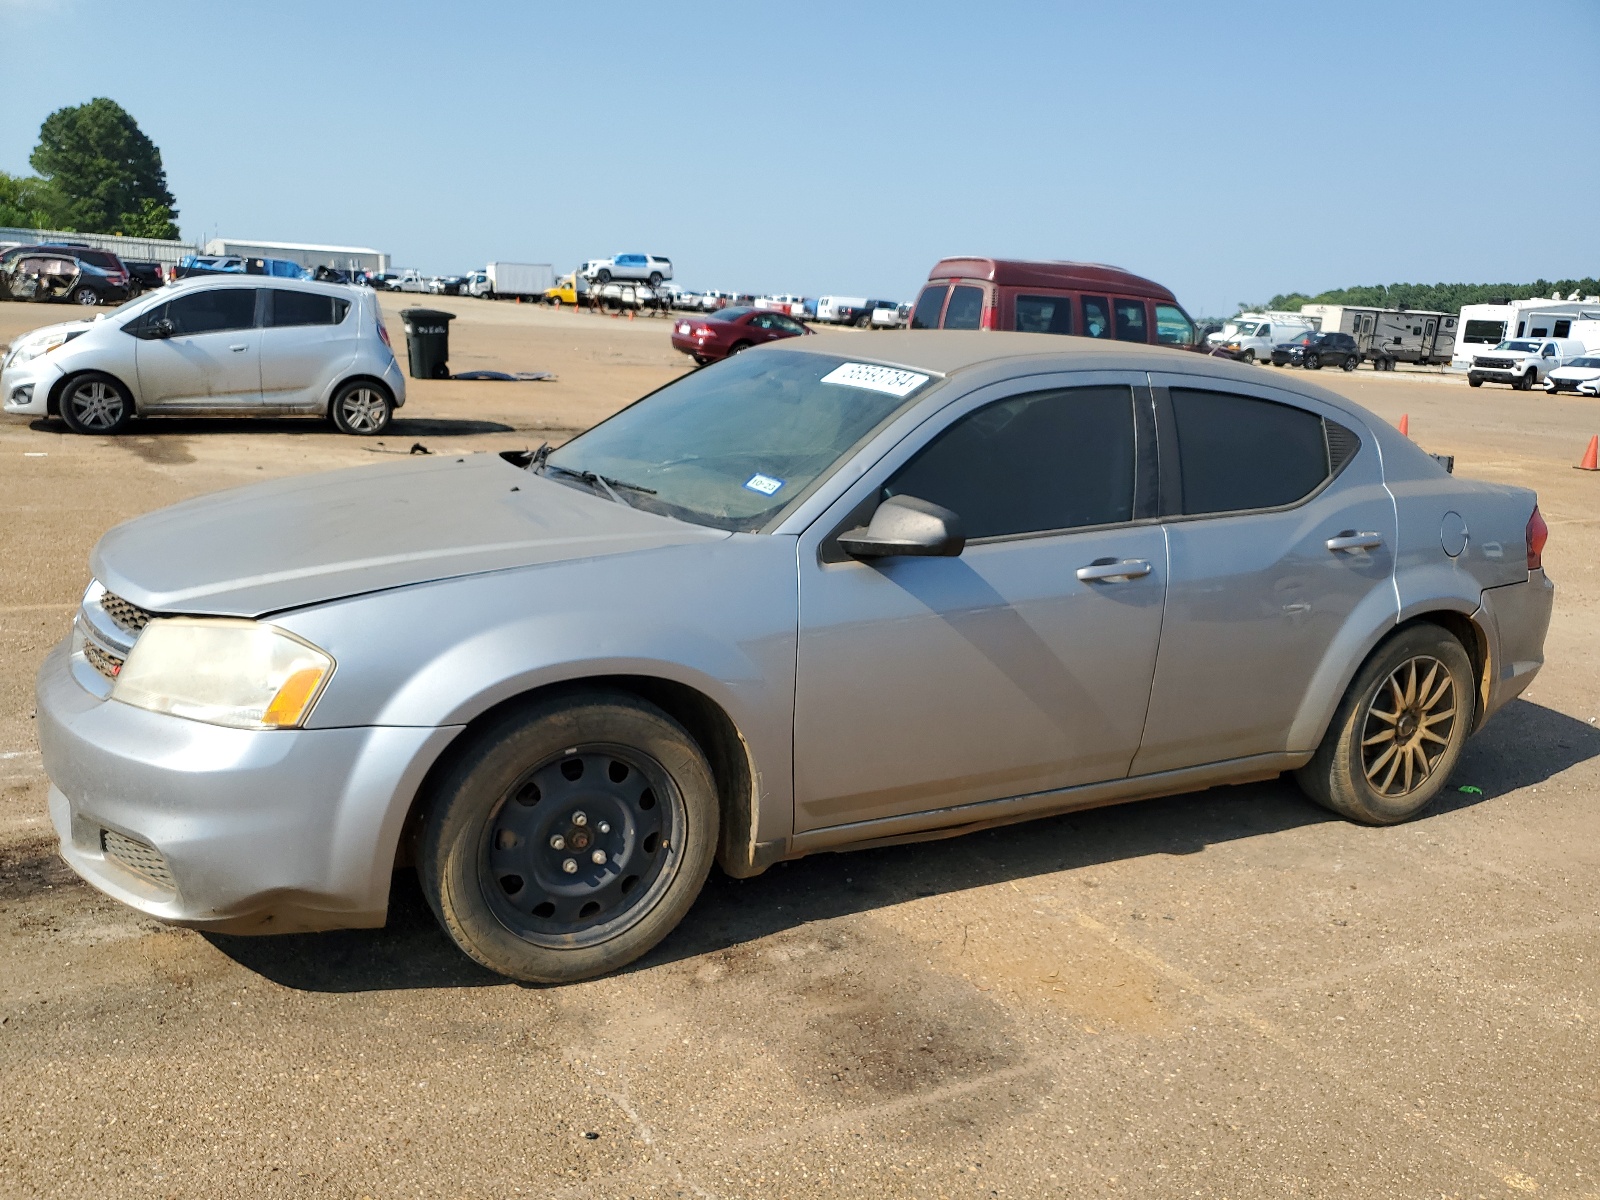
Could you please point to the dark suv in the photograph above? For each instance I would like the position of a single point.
(1316, 350)
(63, 271)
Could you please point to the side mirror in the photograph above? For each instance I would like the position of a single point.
(909, 526)
(161, 329)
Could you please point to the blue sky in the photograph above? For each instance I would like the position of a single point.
(1230, 152)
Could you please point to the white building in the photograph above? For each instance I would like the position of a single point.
(1484, 325)
(343, 258)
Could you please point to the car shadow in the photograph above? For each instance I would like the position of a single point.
(1524, 745)
(400, 427)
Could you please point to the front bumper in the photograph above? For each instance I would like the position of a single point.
(240, 831)
(25, 387)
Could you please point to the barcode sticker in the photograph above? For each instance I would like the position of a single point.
(890, 380)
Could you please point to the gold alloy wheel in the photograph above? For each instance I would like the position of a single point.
(1410, 720)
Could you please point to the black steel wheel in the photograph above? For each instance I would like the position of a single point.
(95, 402)
(569, 836)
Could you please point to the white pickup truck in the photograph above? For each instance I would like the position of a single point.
(1522, 362)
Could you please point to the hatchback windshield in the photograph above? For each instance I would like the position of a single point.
(735, 444)
(1526, 347)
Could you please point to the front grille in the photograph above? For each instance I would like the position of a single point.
(139, 857)
(1494, 364)
(130, 618)
(108, 665)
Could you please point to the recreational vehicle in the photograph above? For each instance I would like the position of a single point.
(1390, 335)
(1484, 326)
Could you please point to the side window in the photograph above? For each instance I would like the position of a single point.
(966, 308)
(1563, 328)
(1236, 452)
(1130, 321)
(1173, 328)
(305, 308)
(214, 311)
(926, 314)
(1096, 317)
(1044, 314)
(1265, 331)
(787, 325)
(1549, 352)
(1045, 461)
(760, 321)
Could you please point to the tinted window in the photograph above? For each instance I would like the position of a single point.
(966, 308)
(1235, 452)
(1096, 317)
(929, 303)
(787, 325)
(305, 308)
(1050, 460)
(727, 314)
(1130, 321)
(1044, 314)
(210, 311)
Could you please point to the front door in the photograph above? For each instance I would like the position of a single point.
(1021, 666)
(1280, 529)
(210, 357)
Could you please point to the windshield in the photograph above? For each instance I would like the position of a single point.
(1247, 329)
(1526, 347)
(735, 444)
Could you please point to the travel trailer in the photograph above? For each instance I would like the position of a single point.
(1390, 335)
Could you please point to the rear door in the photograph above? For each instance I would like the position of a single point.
(307, 337)
(930, 306)
(965, 307)
(212, 359)
(1281, 539)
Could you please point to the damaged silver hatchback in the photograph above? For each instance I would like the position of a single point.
(797, 601)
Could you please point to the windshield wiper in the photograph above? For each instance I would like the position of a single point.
(604, 482)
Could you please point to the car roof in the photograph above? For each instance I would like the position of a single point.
(322, 287)
(952, 353)
(1013, 272)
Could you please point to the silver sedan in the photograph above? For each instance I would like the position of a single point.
(797, 601)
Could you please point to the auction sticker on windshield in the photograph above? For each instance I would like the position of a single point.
(765, 484)
(890, 380)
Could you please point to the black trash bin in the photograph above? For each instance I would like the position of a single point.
(428, 342)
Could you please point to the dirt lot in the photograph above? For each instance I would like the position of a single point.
(1225, 994)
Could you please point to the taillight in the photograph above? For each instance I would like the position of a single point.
(990, 319)
(1538, 535)
(384, 334)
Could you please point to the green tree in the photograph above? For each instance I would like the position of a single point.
(99, 162)
(28, 202)
(153, 220)
(1435, 297)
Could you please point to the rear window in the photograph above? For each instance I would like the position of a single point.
(1044, 314)
(103, 259)
(926, 314)
(966, 308)
(727, 314)
(1237, 453)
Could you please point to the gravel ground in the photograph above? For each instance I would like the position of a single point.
(1224, 994)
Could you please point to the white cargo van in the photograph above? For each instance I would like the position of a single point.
(1250, 336)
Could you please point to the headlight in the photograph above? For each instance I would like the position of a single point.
(242, 674)
(30, 351)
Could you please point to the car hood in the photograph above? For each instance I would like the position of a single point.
(293, 542)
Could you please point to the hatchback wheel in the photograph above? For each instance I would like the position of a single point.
(1313, 362)
(570, 838)
(86, 297)
(96, 403)
(361, 408)
(1399, 730)
(1351, 362)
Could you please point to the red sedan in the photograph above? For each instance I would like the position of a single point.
(730, 330)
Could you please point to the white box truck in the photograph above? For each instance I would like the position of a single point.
(506, 280)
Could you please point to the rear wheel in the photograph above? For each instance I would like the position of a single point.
(655, 278)
(570, 838)
(96, 403)
(86, 297)
(361, 408)
(1398, 732)
(738, 346)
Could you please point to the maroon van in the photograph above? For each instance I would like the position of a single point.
(1079, 299)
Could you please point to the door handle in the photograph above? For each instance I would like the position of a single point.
(1350, 540)
(1111, 571)
(238, 349)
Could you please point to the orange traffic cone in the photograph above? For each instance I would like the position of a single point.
(1591, 456)
(1405, 424)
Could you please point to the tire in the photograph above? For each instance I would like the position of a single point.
(655, 278)
(1276, 363)
(1248, 358)
(1363, 782)
(508, 843)
(603, 276)
(864, 320)
(85, 296)
(1474, 380)
(96, 403)
(1313, 362)
(1351, 362)
(700, 360)
(736, 347)
(361, 408)
(1525, 381)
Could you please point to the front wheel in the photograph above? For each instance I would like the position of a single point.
(1398, 732)
(1351, 362)
(1525, 381)
(1248, 357)
(1474, 380)
(1313, 362)
(604, 276)
(570, 837)
(96, 403)
(361, 409)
